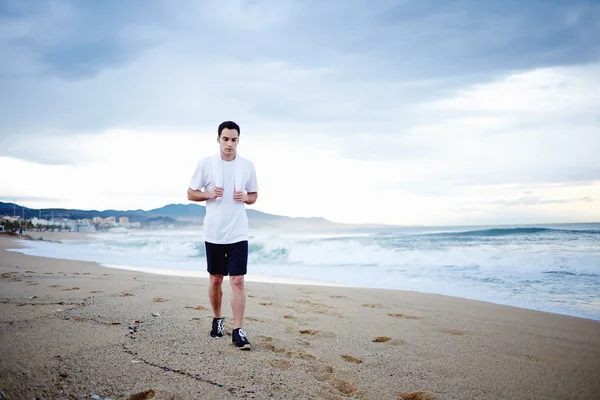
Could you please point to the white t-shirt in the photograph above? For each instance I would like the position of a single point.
(226, 220)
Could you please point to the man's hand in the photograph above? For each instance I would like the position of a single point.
(216, 193)
(240, 196)
(197, 195)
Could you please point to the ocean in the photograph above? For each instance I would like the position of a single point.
(553, 268)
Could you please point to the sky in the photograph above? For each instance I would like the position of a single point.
(408, 112)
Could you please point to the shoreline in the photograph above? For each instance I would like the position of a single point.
(70, 329)
(58, 237)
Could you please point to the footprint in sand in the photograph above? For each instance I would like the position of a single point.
(310, 303)
(289, 317)
(145, 395)
(288, 353)
(338, 297)
(300, 354)
(126, 295)
(10, 277)
(253, 319)
(159, 300)
(306, 356)
(30, 272)
(381, 339)
(352, 359)
(320, 308)
(73, 288)
(32, 283)
(54, 286)
(86, 273)
(421, 395)
(372, 305)
(343, 386)
(76, 273)
(403, 316)
(266, 304)
(273, 348)
(309, 332)
(102, 274)
(251, 296)
(542, 360)
(96, 291)
(197, 308)
(280, 363)
(48, 273)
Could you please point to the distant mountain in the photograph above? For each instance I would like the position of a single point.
(47, 213)
(179, 212)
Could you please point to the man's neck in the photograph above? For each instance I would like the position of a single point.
(227, 157)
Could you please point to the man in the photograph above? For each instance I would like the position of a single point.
(227, 182)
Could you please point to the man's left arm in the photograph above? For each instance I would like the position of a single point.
(251, 198)
(251, 188)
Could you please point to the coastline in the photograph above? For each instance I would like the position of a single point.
(308, 341)
(155, 266)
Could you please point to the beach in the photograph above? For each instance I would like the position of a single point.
(72, 329)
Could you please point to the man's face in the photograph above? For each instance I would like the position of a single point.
(228, 141)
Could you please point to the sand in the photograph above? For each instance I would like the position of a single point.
(69, 330)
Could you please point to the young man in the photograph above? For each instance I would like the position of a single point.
(227, 182)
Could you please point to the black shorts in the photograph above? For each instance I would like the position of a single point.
(227, 259)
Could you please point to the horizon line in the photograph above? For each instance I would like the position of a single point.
(376, 224)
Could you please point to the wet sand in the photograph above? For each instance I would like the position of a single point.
(72, 329)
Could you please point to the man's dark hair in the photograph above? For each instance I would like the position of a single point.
(229, 125)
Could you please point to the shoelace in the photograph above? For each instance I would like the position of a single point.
(220, 325)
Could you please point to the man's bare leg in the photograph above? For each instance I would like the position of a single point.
(238, 300)
(215, 294)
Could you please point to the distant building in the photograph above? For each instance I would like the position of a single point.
(85, 227)
(38, 221)
(105, 222)
(124, 221)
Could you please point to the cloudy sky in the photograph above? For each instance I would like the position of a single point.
(404, 112)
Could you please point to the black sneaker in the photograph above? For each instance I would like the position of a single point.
(218, 327)
(238, 337)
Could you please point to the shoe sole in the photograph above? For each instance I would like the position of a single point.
(245, 347)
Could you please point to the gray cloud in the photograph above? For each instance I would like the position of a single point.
(83, 67)
(74, 41)
(368, 79)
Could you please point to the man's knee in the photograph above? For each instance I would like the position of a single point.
(216, 279)
(237, 281)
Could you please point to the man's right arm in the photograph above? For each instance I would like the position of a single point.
(194, 191)
(197, 195)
